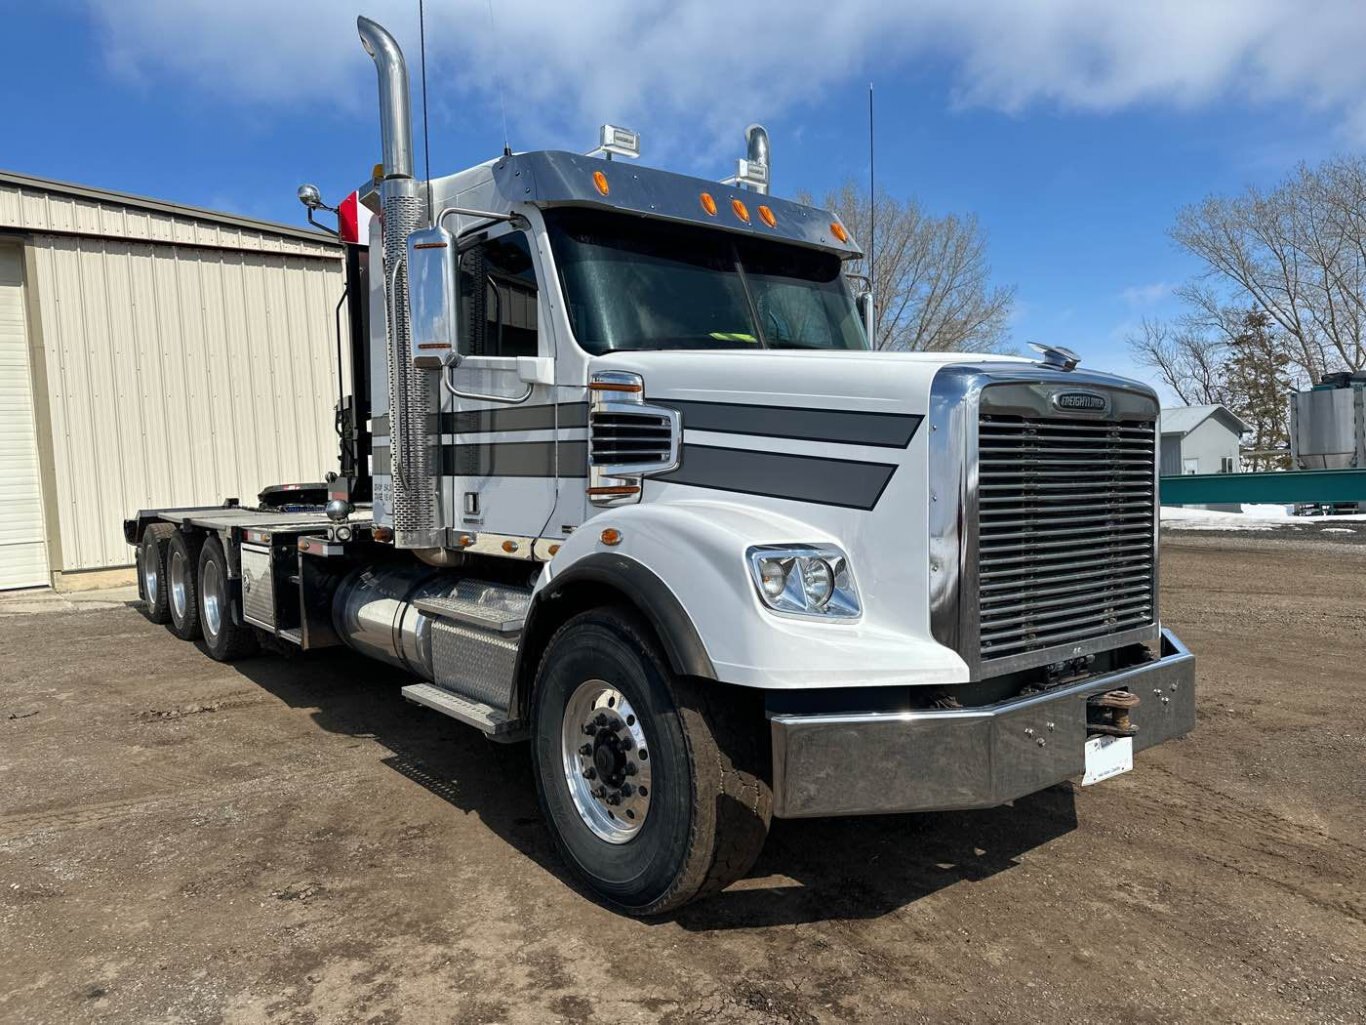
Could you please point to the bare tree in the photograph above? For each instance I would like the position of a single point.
(1187, 360)
(1298, 254)
(931, 279)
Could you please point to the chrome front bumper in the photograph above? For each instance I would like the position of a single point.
(941, 759)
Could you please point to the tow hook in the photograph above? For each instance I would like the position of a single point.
(1108, 713)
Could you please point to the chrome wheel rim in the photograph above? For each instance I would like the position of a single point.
(211, 588)
(606, 760)
(180, 572)
(151, 579)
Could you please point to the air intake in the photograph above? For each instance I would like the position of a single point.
(627, 439)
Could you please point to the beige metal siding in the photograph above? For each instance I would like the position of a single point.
(37, 205)
(178, 374)
(23, 550)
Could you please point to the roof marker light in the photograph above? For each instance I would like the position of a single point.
(708, 204)
(741, 211)
(613, 139)
(766, 215)
(837, 229)
(600, 180)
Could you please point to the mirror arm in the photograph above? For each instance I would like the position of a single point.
(479, 396)
(323, 227)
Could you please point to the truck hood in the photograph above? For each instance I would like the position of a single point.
(868, 382)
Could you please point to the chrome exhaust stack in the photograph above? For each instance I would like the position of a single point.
(751, 170)
(411, 388)
(756, 153)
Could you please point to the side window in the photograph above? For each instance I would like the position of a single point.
(498, 298)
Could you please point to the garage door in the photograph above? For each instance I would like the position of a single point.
(23, 551)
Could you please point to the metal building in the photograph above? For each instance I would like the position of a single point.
(124, 321)
(1201, 439)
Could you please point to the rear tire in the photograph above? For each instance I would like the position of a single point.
(152, 572)
(607, 715)
(182, 578)
(226, 637)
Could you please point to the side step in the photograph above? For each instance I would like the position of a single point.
(473, 640)
(474, 713)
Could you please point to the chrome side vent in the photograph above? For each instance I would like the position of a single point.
(630, 437)
(627, 439)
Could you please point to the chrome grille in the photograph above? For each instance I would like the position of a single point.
(1065, 532)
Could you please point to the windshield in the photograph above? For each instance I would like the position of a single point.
(633, 283)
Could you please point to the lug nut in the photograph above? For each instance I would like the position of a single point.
(627, 790)
(601, 720)
(590, 773)
(614, 799)
(600, 791)
(589, 728)
(586, 750)
(630, 769)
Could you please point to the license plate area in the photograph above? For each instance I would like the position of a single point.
(1106, 757)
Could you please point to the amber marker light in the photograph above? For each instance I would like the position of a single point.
(509, 546)
(600, 180)
(614, 489)
(708, 204)
(837, 229)
(766, 215)
(614, 386)
(741, 211)
(611, 536)
(554, 550)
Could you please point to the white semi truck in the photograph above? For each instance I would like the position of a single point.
(620, 475)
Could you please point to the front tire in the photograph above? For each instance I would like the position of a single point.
(182, 578)
(654, 785)
(226, 637)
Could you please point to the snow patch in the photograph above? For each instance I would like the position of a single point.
(1253, 517)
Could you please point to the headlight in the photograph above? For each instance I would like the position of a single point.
(805, 580)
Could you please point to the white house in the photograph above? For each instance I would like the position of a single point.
(1200, 439)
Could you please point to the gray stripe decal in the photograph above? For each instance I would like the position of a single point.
(486, 421)
(515, 418)
(838, 426)
(517, 459)
(504, 459)
(842, 482)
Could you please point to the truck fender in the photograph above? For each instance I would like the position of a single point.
(639, 585)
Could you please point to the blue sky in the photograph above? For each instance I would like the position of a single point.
(1073, 129)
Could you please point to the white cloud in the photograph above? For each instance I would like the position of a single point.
(690, 69)
(1141, 296)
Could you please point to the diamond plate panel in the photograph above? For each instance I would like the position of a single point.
(258, 587)
(472, 662)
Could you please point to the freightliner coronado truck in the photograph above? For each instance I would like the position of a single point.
(621, 476)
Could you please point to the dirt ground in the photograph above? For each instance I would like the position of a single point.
(288, 841)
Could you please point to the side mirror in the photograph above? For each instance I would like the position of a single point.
(432, 297)
(864, 302)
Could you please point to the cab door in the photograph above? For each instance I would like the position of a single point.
(500, 427)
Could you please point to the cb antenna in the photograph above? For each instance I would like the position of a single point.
(426, 136)
(872, 198)
(498, 81)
